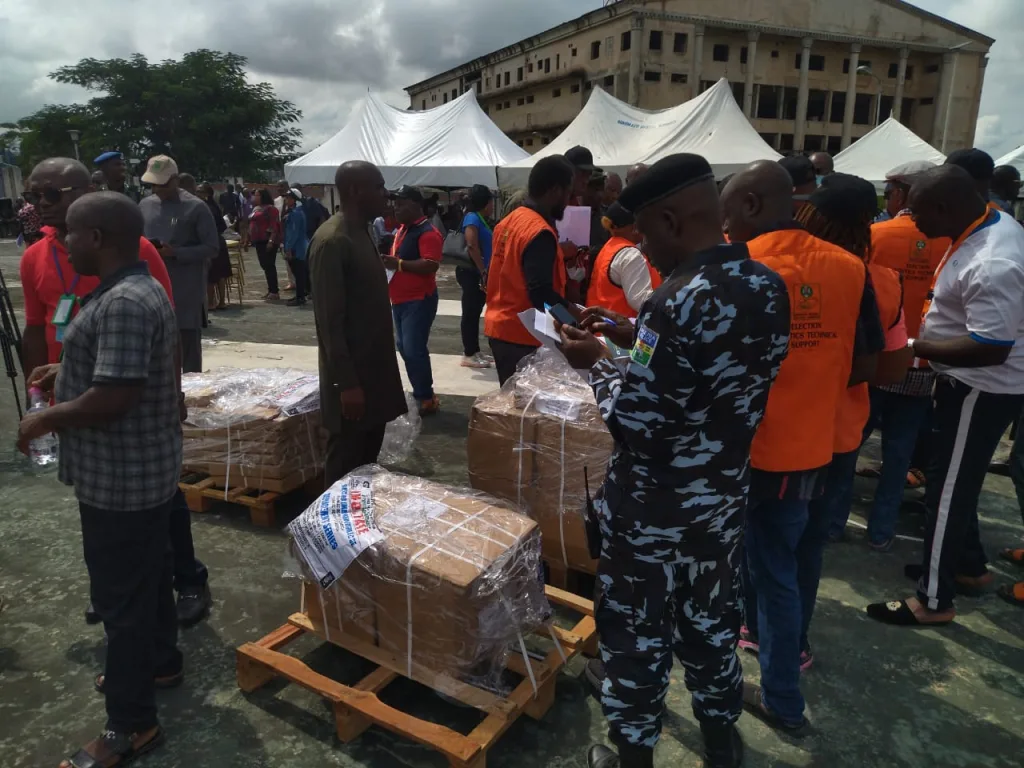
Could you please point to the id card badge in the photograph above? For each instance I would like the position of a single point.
(62, 314)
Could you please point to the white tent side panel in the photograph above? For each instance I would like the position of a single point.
(454, 145)
(1015, 158)
(889, 145)
(620, 135)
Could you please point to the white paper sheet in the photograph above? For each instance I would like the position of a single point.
(575, 225)
(541, 327)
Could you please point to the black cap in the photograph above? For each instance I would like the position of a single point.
(406, 192)
(845, 198)
(617, 217)
(582, 159)
(663, 179)
(800, 169)
(977, 163)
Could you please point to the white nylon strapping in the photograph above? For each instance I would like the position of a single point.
(558, 644)
(227, 471)
(561, 495)
(522, 645)
(323, 613)
(521, 448)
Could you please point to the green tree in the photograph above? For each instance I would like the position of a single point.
(201, 110)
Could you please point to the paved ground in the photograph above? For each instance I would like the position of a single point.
(877, 696)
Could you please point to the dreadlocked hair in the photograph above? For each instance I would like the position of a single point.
(853, 237)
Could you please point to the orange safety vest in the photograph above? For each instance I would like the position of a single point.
(898, 244)
(855, 404)
(506, 284)
(825, 286)
(603, 292)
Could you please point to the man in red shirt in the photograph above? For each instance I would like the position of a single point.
(53, 291)
(415, 257)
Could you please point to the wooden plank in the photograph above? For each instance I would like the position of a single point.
(454, 746)
(467, 694)
(569, 600)
(349, 723)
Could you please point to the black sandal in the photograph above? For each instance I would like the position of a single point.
(753, 702)
(160, 682)
(116, 745)
(899, 614)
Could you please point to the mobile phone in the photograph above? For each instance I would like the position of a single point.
(562, 315)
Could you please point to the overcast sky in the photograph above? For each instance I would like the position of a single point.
(324, 54)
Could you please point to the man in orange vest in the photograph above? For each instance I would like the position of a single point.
(835, 334)
(971, 335)
(527, 269)
(623, 278)
(901, 410)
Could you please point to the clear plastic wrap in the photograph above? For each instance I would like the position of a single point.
(258, 428)
(444, 579)
(530, 444)
(401, 434)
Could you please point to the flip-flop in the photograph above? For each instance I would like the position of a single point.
(1012, 593)
(899, 614)
(1015, 556)
(873, 471)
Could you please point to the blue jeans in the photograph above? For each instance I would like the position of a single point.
(774, 532)
(413, 320)
(899, 417)
(837, 501)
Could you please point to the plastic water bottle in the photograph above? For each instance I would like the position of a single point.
(42, 450)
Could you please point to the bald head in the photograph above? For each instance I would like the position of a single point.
(757, 198)
(54, 184)
(635, 172)
(187, 182)
(612, 188)
(945, 201)
(104, 229)
(361, 189)
(66, 170)
(823, 163)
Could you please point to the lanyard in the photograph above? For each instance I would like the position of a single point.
(60, 273)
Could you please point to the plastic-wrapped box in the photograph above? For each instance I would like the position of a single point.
(445, 579)
(530, 443)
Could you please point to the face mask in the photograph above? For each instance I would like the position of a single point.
(577, 273)
(817, 179)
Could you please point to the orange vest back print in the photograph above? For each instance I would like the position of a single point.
(506, 284)
(826, 284)
(855, 404)
(898, 244)
(603, 292)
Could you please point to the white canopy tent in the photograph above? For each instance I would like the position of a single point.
(711, 125)
(889, 145)
(454, 145)
(1015, 158)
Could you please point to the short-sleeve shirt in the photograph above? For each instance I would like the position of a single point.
(979, 292)
(47, 274)
(407, 286)
(126, 333)
(484, 235)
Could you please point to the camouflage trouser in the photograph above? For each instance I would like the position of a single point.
(648, 611)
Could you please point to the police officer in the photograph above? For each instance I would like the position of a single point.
(707, 346)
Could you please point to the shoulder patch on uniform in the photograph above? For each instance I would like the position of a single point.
(643, 349)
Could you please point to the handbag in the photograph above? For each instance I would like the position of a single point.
(454, 249)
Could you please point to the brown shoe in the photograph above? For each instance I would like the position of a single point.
(974, 585)
(430, 407)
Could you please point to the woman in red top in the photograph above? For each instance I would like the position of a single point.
(265, 236)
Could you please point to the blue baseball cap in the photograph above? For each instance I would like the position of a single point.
(113, 155)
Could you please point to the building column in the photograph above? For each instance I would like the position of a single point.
(756, 102)
(748, 88)
(698, 57)
(942, 100)
(636, 51)
(802, 94)
(901, 81)
(973, 126)
(851, 96)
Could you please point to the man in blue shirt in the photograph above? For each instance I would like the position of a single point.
(296, 243)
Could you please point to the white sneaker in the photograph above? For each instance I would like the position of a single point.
(475, 361)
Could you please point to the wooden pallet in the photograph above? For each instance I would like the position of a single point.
(575, 580)
(358, 707)
(203, 491)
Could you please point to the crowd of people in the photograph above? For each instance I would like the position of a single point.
(760, 329)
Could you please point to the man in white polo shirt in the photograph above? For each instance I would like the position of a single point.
(972, 336)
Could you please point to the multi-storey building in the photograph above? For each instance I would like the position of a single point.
(809, 74)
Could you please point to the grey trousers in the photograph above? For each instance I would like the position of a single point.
(191, 350)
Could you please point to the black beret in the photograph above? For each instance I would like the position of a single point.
(845, 198)
(977, 163)
(663, 179)
(616, 217)
(800, 169)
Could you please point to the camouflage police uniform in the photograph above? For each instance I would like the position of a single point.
(708, 345)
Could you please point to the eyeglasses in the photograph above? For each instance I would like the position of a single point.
(52, 195)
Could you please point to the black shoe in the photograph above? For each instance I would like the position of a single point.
(91, 617)
(602, 757)
(723, 747)
(595, 675)
(629, 757)
(194, 605)
(296, 302)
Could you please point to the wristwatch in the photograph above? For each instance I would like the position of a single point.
(910, 344)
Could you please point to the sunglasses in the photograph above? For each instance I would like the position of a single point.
(52, 195)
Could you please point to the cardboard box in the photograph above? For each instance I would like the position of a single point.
(497, 429)
(347, 606)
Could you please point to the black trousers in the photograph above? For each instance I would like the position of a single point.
(473, 301)
(966, 428)
(268, 263)
(507, 356)
(128, 556)
(349, 447)
(189, 574)
(191, 350)
(300, 269)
